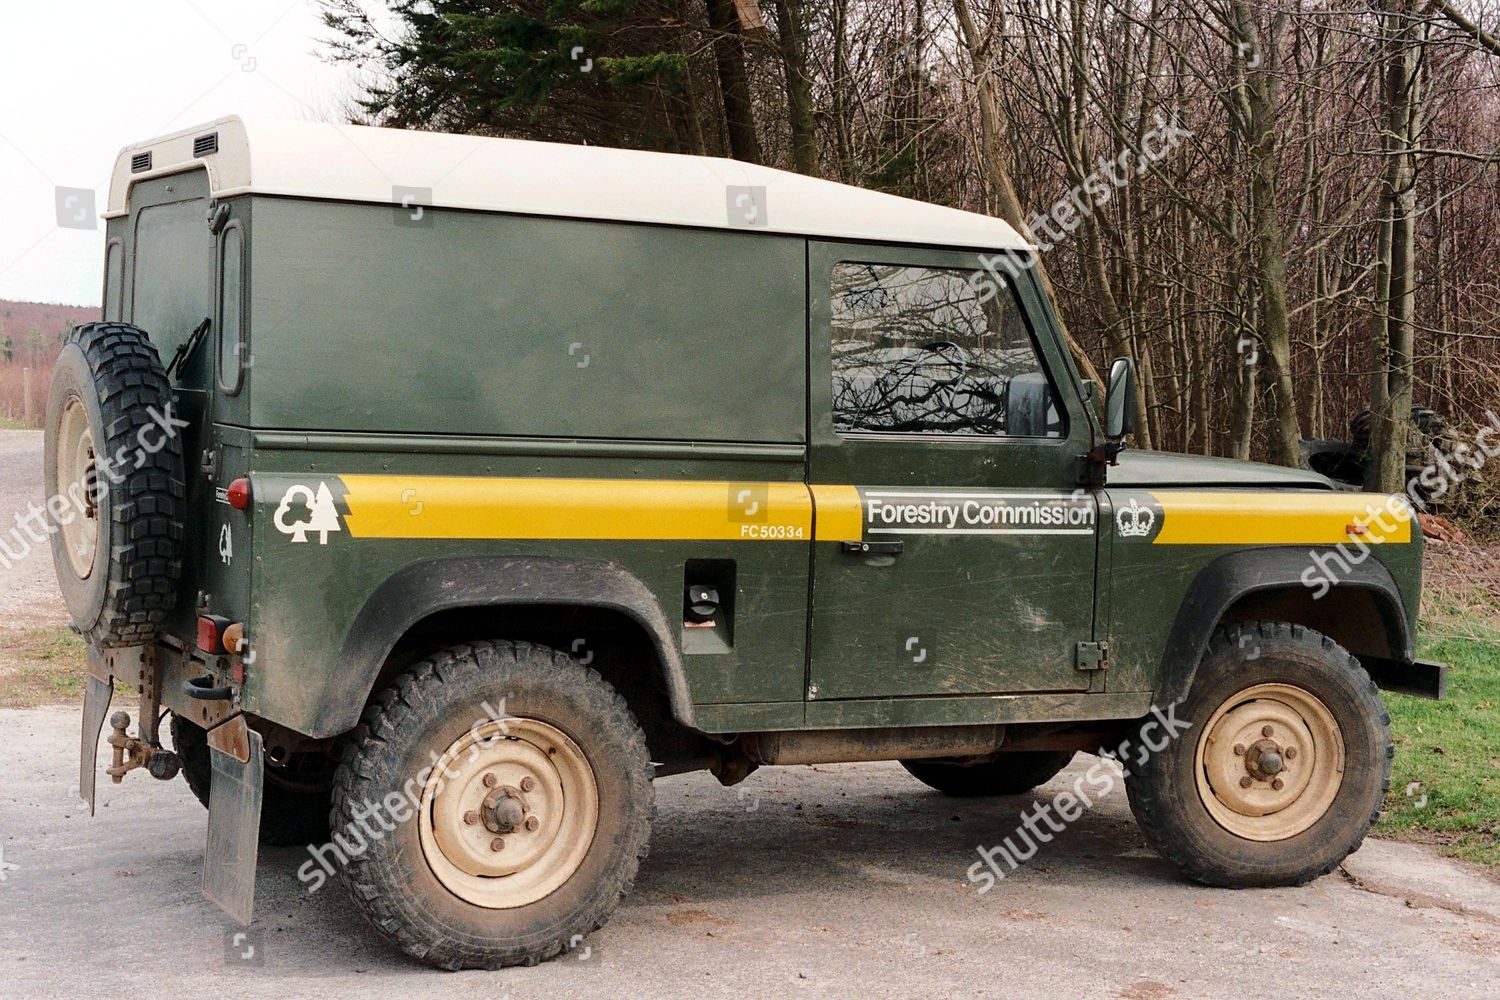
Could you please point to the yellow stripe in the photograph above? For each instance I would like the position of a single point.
(627, 509)
(840, 516)
(1193, 517)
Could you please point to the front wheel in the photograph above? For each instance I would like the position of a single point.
(494, 806)
(1283, 765)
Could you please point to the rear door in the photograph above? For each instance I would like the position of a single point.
(170, 276)
(947, 441)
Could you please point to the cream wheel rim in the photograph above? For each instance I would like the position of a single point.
(1269, 762)
(508, 813)
(78, 479)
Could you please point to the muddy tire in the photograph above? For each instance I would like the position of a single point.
(1285, 766)
(294, 807)
(116, 532)
(493, 743)
(1008, 774)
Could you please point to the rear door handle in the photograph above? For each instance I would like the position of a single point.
(873, 548)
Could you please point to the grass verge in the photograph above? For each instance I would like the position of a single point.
(42, 664)
(1445, 781)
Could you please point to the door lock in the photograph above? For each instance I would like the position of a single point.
(702, 605)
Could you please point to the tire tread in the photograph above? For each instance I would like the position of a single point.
(146, 533)
(396, 709)
(1144, 785)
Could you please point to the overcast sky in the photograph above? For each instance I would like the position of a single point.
(82, 78)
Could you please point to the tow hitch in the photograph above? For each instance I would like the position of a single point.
(131, 752)
(160, 674)
(170, 678)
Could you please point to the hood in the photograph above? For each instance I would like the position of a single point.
(1160, 468)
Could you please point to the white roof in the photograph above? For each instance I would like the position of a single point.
(357, 163)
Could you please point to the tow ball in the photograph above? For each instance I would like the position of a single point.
(131, 752)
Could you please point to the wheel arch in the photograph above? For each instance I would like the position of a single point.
(481, 595)
(1364, 613)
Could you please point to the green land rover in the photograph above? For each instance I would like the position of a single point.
(446, 491)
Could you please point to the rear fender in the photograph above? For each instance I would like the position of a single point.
(461, 582)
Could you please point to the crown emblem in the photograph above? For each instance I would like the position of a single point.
(1135, 521)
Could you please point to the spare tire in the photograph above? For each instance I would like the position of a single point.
(112, 464)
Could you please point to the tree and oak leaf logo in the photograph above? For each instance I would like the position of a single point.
(320, 509)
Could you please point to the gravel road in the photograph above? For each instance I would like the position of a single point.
(836, 881)
(28, 587)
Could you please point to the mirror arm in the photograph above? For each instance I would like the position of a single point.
(1107, 453)
(1100, 458)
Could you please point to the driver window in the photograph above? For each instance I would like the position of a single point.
(935, 351)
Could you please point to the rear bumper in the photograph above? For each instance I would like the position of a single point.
(174, 677)
(1422, 678)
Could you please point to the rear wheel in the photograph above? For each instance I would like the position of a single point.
(1007, 774)
(1284, 767)
(294, 807)
(526, 789)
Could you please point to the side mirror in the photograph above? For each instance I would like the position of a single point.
(1119, 404)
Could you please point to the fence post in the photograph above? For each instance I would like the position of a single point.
(26, 397)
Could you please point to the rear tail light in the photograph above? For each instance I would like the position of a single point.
(211, 633)
(238, 494)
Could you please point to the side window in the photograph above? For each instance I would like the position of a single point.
(231, 307)
(922, 350)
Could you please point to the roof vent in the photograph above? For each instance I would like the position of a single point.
(206, 145)
(140, 162)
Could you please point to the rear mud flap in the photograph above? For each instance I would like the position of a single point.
(97, 694)
(238, 755)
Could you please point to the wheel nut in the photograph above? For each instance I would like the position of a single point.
(532, 822)
(1246, 781)
(1239, 749)
(1265, 731)
(498, 844)
(1291, 752)
(471, 817)
(1278, 784)
(490, 781)
(528, 783)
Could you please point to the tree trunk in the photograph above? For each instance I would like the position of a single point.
(791, 42)
(992, 138)
(1401, 100)
(734, 81)
(1268, 230)
(839, 98)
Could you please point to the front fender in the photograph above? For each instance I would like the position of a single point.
(1236, 575)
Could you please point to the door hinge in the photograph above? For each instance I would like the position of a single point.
(1093, 656)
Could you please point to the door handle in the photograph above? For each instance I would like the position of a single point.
(873, 548)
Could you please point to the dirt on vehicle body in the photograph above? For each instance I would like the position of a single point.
(470, 484)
